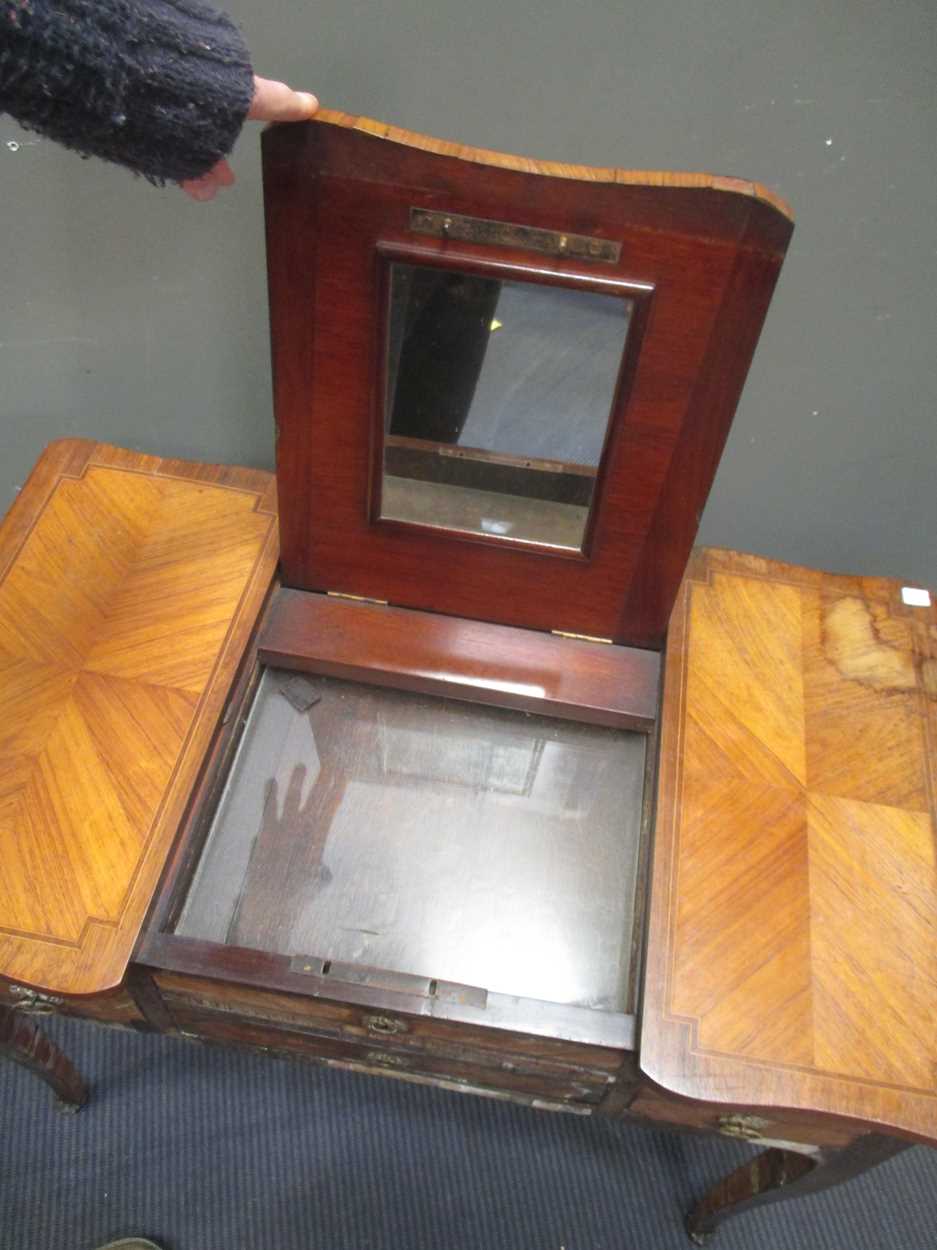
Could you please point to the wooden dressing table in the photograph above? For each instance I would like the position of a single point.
(407, 784)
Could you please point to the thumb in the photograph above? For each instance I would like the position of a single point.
(276, 102)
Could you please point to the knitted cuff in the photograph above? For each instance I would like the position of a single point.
(161, 86)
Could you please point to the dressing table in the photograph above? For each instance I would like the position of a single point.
(442, 755)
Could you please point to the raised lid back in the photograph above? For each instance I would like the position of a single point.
(350, 205)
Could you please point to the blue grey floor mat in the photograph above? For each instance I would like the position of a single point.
(207, 1149)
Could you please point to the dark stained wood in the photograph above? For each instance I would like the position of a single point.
(778, 1175)
(148, 1000)
(495, 664)
(384, 1019)
(424, 461)
(235, 970)
(706, 253)
(22, 1042)
(656, 1106)
(672, 532)
(114, 1007)
(580, 173)
(519, 1083)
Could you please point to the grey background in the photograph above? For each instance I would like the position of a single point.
(134, 315)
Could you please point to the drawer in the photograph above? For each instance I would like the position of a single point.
(116, 1008)
(753, 1124)
(445, 1039)
(479, 1071)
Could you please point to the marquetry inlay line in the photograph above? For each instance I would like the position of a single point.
(804, 900)
(117, 616)
(842, 1078)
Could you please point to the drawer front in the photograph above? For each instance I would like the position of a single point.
(483, 1072)
(397, 1031)
(755, 1125)
(118, 1008)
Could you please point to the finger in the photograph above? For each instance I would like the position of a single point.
(224, 174)
(201, 189)
(270, 802)
(207, 187)
(294, 791)
(276, 102)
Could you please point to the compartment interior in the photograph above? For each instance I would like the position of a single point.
(429, 836)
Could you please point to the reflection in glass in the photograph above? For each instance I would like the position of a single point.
(497, 405)
(427, 836)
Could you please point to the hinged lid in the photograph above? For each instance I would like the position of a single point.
(502, 387)
(129, 588)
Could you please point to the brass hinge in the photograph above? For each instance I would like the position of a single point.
(562, 633)
(340, 594)
(441, 225)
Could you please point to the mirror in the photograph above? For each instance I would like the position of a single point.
(497, 403)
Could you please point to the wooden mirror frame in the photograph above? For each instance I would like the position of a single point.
(706, 250)
(453, 259)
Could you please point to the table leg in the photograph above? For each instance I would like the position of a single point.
(22, 1042)
(780, 1174)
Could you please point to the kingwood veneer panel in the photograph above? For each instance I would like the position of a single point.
(129, 586)
(793, 943)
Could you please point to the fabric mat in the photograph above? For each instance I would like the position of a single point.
(202, 1148)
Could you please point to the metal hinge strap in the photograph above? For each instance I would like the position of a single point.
(341, 594)
(562, 633)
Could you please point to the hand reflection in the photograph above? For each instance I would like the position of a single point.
(285, 867)
(296, 824)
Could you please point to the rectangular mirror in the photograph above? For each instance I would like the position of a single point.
(497, 403)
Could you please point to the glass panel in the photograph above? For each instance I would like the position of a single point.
(498, 400)
(427, 836)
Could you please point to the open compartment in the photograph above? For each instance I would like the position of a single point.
(367, 828)
(378, 873)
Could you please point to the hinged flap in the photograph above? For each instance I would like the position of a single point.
(129, 587)
(502, 387)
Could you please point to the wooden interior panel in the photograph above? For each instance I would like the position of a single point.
(792, 951)
(425, 652)
(704, 252)
(130, 587)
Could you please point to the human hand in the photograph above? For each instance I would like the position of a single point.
(272, 102)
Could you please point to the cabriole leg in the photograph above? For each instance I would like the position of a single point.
(780, 1174)
(22, 1042)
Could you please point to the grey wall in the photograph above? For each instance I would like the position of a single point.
(134, 315)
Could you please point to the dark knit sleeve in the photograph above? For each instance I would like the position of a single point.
(161, 86)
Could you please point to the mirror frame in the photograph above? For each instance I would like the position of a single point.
(640, 296)
(707, 250)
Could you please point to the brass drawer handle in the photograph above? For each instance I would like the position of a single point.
(387, 1060)
(384, 1025)
(745, 1127)
(32, 1002)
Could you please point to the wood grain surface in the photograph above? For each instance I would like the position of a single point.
(699, 266)
(553, 169)
(471, 660)
(128, 589)
(792, 956)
